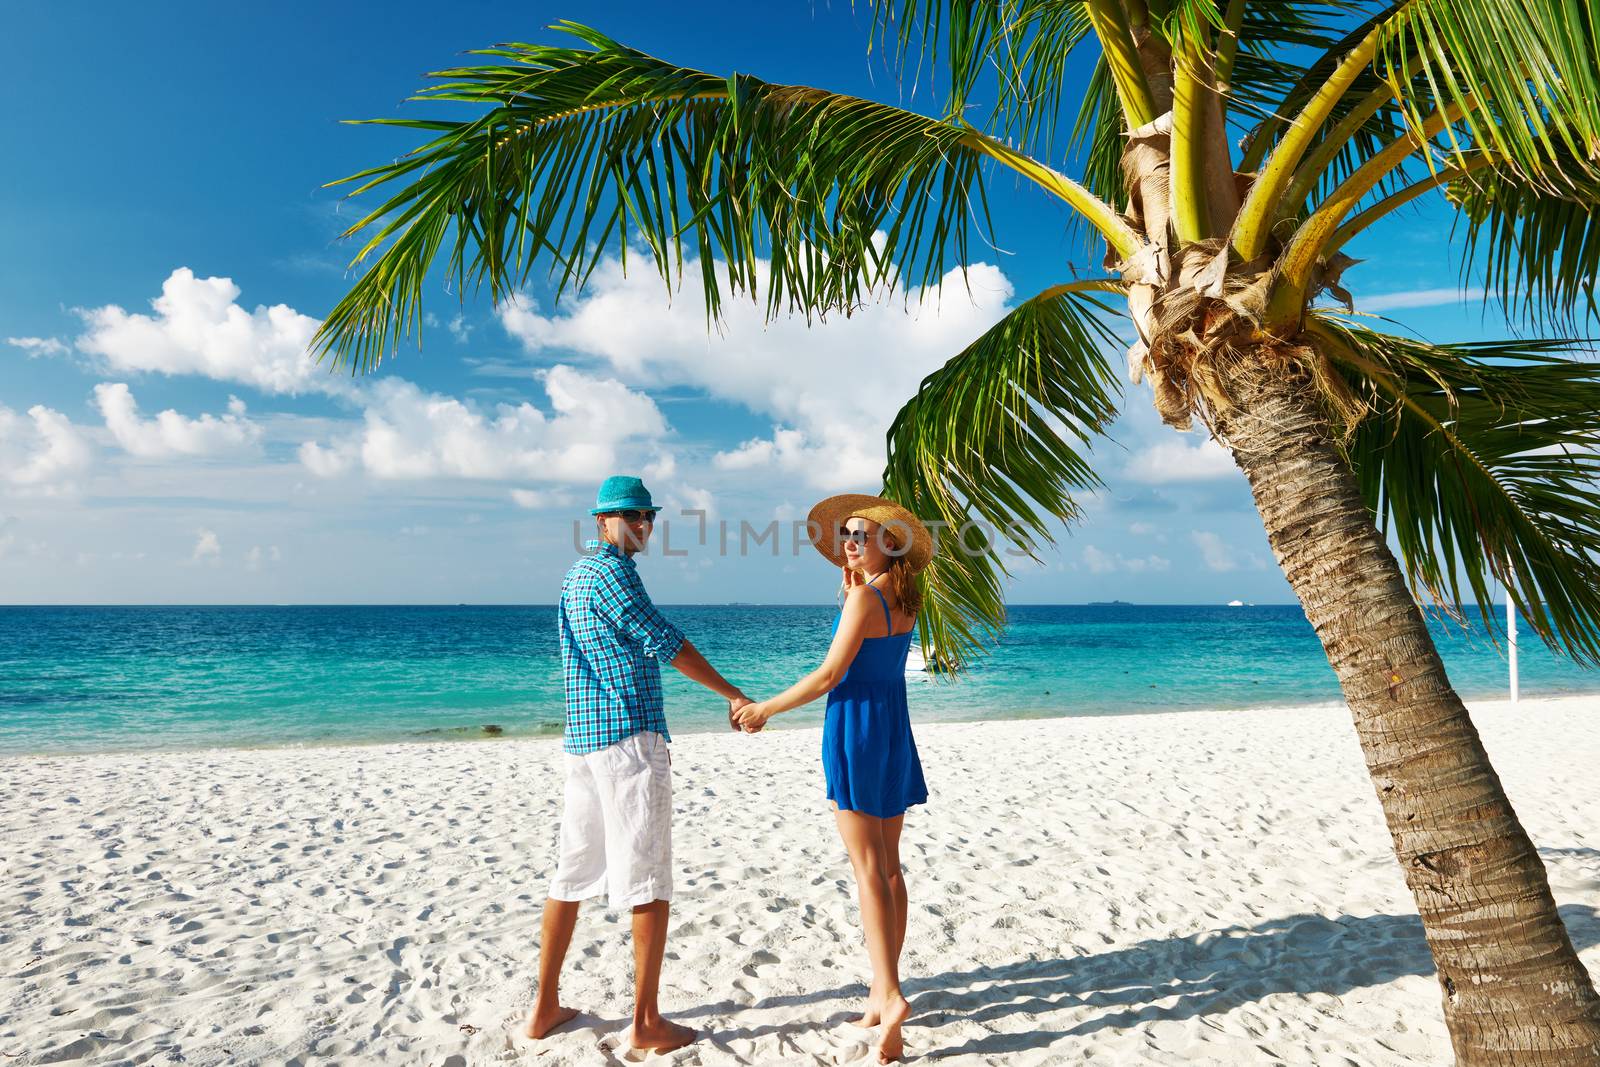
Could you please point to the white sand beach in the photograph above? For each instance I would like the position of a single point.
(1195, 888)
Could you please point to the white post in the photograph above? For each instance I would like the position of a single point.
(1511, 640)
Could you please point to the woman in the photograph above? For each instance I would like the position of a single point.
(869, 758)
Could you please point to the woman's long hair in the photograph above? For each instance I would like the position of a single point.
(906, 591)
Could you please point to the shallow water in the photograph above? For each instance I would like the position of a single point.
(106, 678)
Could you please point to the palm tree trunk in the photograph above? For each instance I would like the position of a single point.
(1515, 992)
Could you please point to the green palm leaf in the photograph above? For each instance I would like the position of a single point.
(1531, 66)
(1536, 246)
(1306, 79)
(1261, 79)
(581, 150)
(1483, 462)
(1509, 79)
(1023, 44)
(997, 437)
(1099, 137)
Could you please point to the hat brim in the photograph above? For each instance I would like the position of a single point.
(827, 516)
(628, 505)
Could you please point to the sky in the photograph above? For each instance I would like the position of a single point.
(169, 249)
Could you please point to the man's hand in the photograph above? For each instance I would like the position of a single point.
(752, 717)
(734, 705)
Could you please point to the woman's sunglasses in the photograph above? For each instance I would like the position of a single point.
(631, 516)
(857, 537)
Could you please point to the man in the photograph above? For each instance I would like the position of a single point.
(616, 829)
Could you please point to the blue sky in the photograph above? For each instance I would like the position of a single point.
(168, 248)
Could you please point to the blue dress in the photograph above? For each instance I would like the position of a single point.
(869, 757)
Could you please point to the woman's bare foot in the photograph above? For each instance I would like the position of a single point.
(873, 1013)
(660, 1035)
(542, 1022)
(896, 1010)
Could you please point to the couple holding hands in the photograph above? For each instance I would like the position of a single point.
(616, 824)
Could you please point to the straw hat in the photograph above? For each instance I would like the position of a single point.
(905, 528)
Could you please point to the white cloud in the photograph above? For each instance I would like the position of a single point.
(1418, 298)
(206, 546)
(7, 537)
(408, 433)
(1141, 529)
(254, 558)
(169, 433)
(41, 453)
(831, 388)
(199, 328)
(1169, 461)
(332, 461)
(538, 498)
(1214, 551)
(660, 469)
(39, 346)
(680, 498)
(785, 451)
(1102, 562)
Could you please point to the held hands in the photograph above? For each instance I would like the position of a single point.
(738, 702)
(751, 717)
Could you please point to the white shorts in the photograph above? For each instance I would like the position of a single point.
(616, 829)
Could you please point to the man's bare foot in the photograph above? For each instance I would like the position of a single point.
(541, 1023)
(896, 1010)
(660, 1036)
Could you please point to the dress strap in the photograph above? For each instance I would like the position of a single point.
(888, 622)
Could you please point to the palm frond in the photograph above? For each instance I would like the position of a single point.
(1032, 77)
(1482, 461)
(1259, 80)
(1303, 79)
(1026, 44)
(996, 437)
(1537, 246)
(1529, 69)
(1098, 137)
(1508, 78)
(582, 150)
(1022, 44)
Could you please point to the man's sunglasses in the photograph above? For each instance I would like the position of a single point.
(631, 516)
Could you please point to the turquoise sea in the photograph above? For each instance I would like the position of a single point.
(112, 678)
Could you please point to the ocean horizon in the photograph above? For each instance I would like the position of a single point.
(551, 605)
(93, 678)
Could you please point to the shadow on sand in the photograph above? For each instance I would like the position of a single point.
(1170, 978)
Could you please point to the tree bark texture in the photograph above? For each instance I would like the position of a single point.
(1515, 992)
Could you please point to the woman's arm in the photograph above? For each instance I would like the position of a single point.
(858, 609)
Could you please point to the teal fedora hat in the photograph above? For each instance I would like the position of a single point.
(622, 492)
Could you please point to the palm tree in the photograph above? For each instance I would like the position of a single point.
(1477, 461)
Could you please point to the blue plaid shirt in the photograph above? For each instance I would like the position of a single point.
(613, 641)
